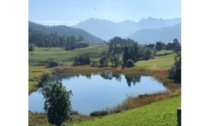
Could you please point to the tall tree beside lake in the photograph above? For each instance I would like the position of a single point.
(57, 103)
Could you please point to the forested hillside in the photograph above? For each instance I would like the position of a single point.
(41, 39)
(65, 30)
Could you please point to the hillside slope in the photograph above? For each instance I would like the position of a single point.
(166, 34)
(64, 30)
(161, 113)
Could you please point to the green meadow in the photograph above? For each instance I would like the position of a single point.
(161, 62)
(159, 113)
(43, 54)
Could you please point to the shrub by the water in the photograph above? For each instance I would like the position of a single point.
(130, 63)
(52, 62)
(175, 70)
(94, 63)
(44, 78)
(82, 60)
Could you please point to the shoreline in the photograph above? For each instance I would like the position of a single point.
(140, 100)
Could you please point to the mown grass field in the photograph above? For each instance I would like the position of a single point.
(162, 52)
(160, 113)
(66, 57)
(159, 62)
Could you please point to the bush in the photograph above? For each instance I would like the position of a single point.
(52, 62)
(94, 63)
(148, 54)
(130, 63)
(104, 61)
(74, 112)
(99, 113)
(82, 60)
(44, 78)
(175, 70)
(31, 47)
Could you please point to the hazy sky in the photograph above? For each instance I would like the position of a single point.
(71, 12)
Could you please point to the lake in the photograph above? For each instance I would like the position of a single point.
(93, 92)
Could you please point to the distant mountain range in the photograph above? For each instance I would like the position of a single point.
(64, 30)
(165, 34)
(149, 30)
(154, 23)
(106, 29)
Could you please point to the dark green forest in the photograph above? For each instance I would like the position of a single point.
(42, 39)
(62, 30)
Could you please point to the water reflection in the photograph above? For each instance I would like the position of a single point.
(130, 79)
(97, 91)
(133, 79)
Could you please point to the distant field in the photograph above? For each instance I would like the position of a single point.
(162, 62)
(164, 52)
(161, 113)
(42, 54)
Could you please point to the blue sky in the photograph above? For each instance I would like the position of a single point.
(71, 12)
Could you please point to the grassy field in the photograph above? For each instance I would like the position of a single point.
(160, 113)
(163, 52)
(159, 62)
(66, 57)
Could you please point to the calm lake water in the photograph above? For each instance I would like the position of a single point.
(99, 91)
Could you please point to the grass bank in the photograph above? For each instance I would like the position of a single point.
(40, 119)
(159, 113)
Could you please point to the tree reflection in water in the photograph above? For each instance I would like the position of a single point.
(130, 79)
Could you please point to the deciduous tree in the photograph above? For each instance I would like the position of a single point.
(57, 103)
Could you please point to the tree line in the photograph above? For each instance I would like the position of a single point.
(118, 44)
(121, 52)
(41, 39)
(174, 45)
(126, 52)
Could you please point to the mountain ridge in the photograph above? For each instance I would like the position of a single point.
(65, 30)
(106, 29)
(165, 34)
